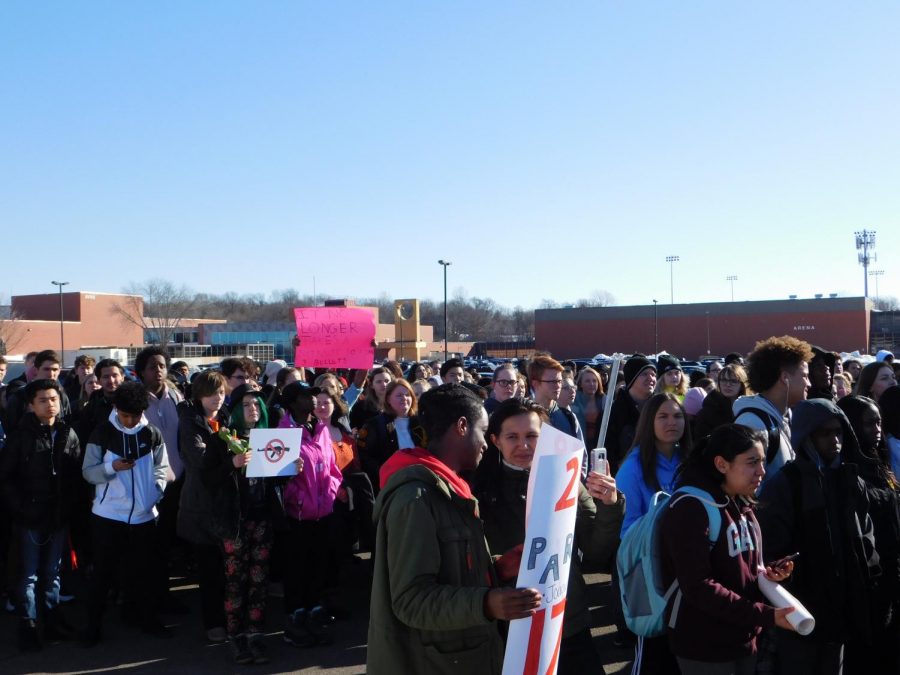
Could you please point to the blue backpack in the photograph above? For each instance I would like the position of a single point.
(644, 597)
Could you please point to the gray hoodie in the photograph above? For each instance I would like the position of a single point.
(741, 416)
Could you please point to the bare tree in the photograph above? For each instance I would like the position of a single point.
(157, 306)
(12, 332)
(598, 298)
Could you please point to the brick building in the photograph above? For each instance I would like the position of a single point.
(88, 321)
(695, 330)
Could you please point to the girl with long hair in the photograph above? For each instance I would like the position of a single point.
(661, 441)
(874, 379)
(713, 629)
(872, 460)
(589, 404)
(371, 402)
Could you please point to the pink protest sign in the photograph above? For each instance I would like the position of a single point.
(334, 337)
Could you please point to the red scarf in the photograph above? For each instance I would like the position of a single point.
(418, 456)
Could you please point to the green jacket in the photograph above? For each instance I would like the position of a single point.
(501, 496)
(432, 572)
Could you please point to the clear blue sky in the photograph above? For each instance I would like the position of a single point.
(547, 149)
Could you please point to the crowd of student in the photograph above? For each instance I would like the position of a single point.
(426, 466)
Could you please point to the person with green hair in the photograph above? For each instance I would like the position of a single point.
(248, 411)
(247, 510)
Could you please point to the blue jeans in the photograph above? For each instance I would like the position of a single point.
(41, 559)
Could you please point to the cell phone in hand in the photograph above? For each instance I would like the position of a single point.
(783, 561)
(598, 461)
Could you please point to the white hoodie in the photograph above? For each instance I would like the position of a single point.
(128, 496)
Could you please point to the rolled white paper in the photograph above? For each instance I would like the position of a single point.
(802, 621)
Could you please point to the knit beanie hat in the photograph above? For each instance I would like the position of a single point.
(272, 368)
(693, 400)
(634, 366)
(665, 363)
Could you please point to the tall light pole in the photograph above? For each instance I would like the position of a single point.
(655, 327)
(707, 332)
(62, 333)
(445, 264)
(865, 244)
(876, 274)
(672, 259)
(732, 278)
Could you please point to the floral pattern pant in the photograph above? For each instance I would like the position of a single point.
(246, 577)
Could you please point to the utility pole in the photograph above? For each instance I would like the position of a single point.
(62, 330)
(445, 264)
(655, 327)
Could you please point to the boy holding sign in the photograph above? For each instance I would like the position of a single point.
(434, 595)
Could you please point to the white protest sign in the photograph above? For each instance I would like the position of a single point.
(273, 452)
(533, 643)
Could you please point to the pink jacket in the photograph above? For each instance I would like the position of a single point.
(310, 494)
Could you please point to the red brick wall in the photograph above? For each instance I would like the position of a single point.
(687, 335)
(97, 325)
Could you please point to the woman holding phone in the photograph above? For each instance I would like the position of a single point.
(501, 486)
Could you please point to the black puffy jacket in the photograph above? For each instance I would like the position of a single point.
(40, 471)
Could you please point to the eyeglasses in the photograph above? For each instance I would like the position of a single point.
(728, 380)
(551, 381)
(507, 383)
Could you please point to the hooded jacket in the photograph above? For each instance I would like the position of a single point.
(783, 422)
(722, 610)
(39, 473)
(311, 493)
(432, 572)
(638, 494)
(128, 496)
(822, 512)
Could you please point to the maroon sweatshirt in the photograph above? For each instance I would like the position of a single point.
(722, 610)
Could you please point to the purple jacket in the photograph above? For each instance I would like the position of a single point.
(310, 494)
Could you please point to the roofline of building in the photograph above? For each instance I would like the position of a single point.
(718, 309)
(38, 295)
